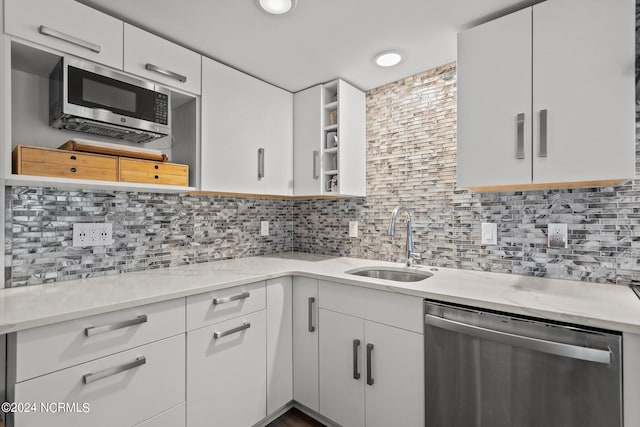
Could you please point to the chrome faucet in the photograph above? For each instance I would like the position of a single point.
(392, 232)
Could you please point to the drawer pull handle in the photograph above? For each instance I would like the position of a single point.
(73, 170)
(155, 176)
(93, 377)
(95, 330)
(165, 72)
(73, 157)
(46, 31)
(311, 301)
(245, 325)
(155, 166)
(356, 374)
(369, 351)
(243, 295)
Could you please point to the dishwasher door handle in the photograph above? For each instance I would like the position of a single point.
(535, 344)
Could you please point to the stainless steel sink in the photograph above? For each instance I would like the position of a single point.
(397, 274)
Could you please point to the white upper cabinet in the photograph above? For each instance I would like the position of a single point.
(546, 97)
(68, 26)
(247, 133)
(155, 58)
(330, 141)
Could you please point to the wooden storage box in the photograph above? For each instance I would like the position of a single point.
(64, 164)
(148, 171)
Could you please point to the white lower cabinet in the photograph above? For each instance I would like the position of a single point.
(174, 417)
(279, 344)
(123, 389)
(305, 342)
(226, 366)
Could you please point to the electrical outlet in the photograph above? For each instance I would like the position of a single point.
(264, 228)
(353, 228)
(557, 236)
(92, 234)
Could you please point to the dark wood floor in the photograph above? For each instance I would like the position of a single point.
(295, 418)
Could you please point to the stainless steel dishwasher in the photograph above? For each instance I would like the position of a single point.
(487, 369)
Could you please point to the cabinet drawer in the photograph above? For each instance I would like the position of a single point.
(124, 398)
(67, 26)
(38, 351)
(153, 172)
(62, 171)
(211, 307)
(401, 311)
(150, 56)
(174, 417)
(66, 158)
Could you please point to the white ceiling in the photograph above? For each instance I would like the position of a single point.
(320, 40)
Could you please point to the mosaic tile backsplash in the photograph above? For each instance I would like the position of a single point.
(411, 161)
(150, 231)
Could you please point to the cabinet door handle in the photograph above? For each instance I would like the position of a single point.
(93, 377)
(369, 352)
(260, 163)
(542, 149)
(520, 136)
(237, 297)
(316, 167)
(95, 330)
(310, 309)
(245, 325)
(165, 72)
(356, 374)
(46, 31)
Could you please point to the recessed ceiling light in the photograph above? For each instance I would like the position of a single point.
(388, 58)
(277, 7)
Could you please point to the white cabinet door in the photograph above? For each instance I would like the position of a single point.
(305, 342)
(494, 102)
(583, 77)
(279, 344)
(240, 116)
(396, 395)
(352, 146)
(307, 142)
(342, 371)
(67, 26)
(155, 58)
(226, 381)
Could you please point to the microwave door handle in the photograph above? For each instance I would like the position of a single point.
(50, 32)
(165, 72)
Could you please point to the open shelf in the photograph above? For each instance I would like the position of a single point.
(71, 183)
(331, 127)
(331, 105)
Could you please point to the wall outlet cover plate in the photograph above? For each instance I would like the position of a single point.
(557, 236)
(92, 234)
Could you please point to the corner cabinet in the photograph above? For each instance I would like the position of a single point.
(330, 141)
(247, 133)
(546, 98)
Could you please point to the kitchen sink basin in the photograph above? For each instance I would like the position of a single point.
(396, 274)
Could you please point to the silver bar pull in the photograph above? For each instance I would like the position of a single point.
(356, 374)
(542, 149)
(316, 167)
(535, 344)
(95, 330)
(93, 377)
(46, 31)
(243, 295)
(520, 136)
(369, 351)
(245, 325)
(165, 72)
(311, 301)
(260, 163)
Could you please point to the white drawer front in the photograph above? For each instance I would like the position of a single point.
(66, 344)
(174, 417)
(123, 399)
(401, 311)
(169, 63)
(69, 27)
(229, 303)
(226, 381)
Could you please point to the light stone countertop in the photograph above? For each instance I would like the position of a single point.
(598, 305)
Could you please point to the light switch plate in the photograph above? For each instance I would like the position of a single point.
(353, 228)
(557, 236)
(264, 228)
(489, 233)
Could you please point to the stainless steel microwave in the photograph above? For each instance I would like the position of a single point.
(88, 98)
